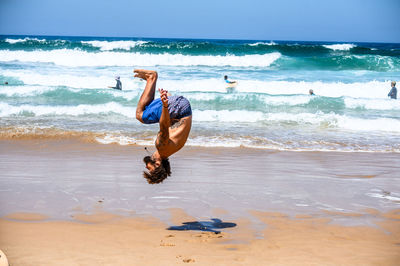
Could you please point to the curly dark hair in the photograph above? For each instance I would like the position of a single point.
(159, 174)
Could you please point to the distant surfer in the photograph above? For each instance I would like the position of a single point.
(393, 92)
(6, 83)
(311, 92)
(231, 84)
(174, 115)
(118, 86)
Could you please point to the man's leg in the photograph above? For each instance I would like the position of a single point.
(149, 91)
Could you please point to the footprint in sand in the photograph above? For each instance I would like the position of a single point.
(185, 260)
(163, 244)
(206, 237)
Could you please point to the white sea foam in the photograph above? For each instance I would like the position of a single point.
(373, 93)
(284, 100)
(371, 89)
(358, 124)
(271, 43)
(340, 47)
(372, 104)
(35, 90)
(77, 58)
(312, 119)
(122, 140)
(13, 41)
(78, 110)
(228, 116)
(337, 121)
(81, 80)
(24, 90)
(269, 100)
(248, 142)
(395, 197)
(209, 141)
(112, 45)
(319, 119)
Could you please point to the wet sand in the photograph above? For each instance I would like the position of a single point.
(64, 202)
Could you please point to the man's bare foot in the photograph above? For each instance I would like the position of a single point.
(145, 74)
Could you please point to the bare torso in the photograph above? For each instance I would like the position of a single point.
(178, 135)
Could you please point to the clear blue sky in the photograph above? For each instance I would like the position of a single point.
(308, 20)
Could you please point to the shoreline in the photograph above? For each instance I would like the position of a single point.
(101, 138)
(69, 202)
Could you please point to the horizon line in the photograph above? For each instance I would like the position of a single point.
(181, 38)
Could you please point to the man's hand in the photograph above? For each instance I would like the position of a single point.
(164, 97)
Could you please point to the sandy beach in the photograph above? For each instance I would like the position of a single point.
(283, 140)
(68, 202)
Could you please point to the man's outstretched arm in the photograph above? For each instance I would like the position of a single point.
(165, 121)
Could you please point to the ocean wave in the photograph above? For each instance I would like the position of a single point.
(114, 45)
(74, 80)
(265, 99)
(7, 110)
(371, 89)
(228, 141)
(359, 124)
(24, 91)
(271, 43)
(93, 80)
(318, 119)
(77, 58)
(372, 104)
(333, 120)
(340, 47)
(197, 47)
(26, 39)
(216, 100)
(197, 140)
(228, 116)
(340, 62)
(266, 143)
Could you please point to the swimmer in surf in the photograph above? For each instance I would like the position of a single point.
(228, 81)
(393, 92)
(118, 86)
(174, 115)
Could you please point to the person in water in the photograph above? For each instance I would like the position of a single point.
(174, 115)
(118, 86)
(228, 81)
(311, 92)
(393, 92)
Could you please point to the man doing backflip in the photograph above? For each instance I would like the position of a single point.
(174, 115)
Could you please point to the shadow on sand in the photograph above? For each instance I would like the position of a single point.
(206, 226)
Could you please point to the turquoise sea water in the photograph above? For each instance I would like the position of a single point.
(58, 86)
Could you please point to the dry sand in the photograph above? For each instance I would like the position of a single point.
(106, 239)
